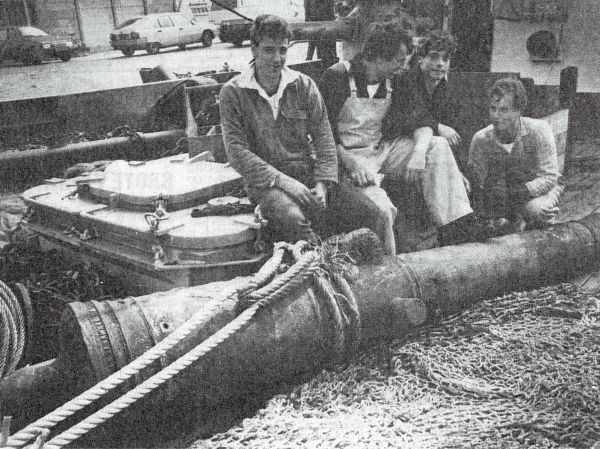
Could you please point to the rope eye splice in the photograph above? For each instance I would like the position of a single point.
(263, 289)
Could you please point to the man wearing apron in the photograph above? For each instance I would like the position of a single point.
(372, 137)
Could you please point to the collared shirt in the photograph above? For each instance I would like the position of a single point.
(263, 144)
(532, 164)
(248, 80)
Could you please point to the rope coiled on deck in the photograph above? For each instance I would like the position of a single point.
(12, 331)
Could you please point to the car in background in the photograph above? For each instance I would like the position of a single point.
(235, 31)
(31, 45)
(162, 30)
(229, 15)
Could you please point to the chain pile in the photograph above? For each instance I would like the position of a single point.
(52, 282)
(517, 371)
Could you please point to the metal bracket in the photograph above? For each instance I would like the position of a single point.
(87, 234)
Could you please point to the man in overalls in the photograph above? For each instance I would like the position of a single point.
(277, 136)
(375, 137)
(357, 96)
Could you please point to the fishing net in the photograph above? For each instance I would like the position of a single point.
(516, 371)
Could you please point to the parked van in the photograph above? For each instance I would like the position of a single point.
(290, 10)
(233, 28)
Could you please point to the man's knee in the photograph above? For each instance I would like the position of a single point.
(534, 210)
(285, 216)
(439, 150)
(382, 207)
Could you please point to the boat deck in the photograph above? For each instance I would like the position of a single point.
(581, 197)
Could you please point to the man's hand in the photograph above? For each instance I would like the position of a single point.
(415, 168)
(549, 213)
(466, 183)
(298, 191)
(320, 193)
(359, 174)
(449, 134)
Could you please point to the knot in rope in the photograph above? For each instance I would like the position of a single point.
(337, 298)
(305, 264)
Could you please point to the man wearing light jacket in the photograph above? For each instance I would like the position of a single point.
(514, 162)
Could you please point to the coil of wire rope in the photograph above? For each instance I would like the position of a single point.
(12, 331)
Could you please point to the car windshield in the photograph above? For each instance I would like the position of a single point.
(129, 22)
(31, 31)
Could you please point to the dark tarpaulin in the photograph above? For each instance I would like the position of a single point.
(534, 10)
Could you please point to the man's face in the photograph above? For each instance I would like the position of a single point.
(269, 58)
(435, 65)
(387, 69)
(503, 114)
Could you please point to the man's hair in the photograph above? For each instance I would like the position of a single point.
(384, 41)
(270, 26)
(436, 40)
(510, 86)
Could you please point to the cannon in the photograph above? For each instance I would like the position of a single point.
(296, 334)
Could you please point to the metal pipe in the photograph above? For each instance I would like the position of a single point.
(26, 11)
(293, 337)
(113, 9)
(342, 29)
(47, 162)
(79, 24)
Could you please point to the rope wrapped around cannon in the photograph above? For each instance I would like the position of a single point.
(313, 323)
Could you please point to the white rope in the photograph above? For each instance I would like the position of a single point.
(86, 398)
(303, 269)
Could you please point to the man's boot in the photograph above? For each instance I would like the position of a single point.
(465, 229)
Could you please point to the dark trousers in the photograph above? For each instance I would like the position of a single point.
(348, 208)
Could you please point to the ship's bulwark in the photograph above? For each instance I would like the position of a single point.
(291, 338)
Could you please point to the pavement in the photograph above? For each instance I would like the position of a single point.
(111, 69)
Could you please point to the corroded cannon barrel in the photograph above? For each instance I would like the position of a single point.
(291, 338)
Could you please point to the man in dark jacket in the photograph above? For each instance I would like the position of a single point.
(277, 136)
(428, 76)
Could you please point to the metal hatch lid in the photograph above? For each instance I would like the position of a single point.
(181, 181)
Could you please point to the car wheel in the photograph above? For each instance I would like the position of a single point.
(65, 57)
(128, 51)
(207, 39)
(237, 42)
(153, 48)
(181, 47)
